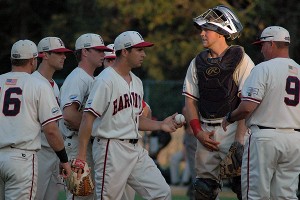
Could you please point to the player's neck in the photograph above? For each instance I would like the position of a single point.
(46, 71)
(218, 51)
(87, 68)
(123, 70)
(21, 69)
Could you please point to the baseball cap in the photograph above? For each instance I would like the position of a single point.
(274, 33)
(110, 54)
(130, 39)
(52, 44)
(24, 49)
(91, 40)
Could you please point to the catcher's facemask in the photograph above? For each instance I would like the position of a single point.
(221, 20)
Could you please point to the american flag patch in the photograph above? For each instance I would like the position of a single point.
(11, 81)
(293, 70)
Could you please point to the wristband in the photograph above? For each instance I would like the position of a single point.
(196, 126)
(62, 155)
(228, 118)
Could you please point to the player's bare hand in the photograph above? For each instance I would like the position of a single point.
(225, 123)
(65, 169)
(206, 140)
(77, 166)
(169, 124)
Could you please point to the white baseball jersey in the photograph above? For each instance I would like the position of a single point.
(275, 86)
(271, 161)
(56, 94)
(117, 104)
(190, 87)
(75, 89)
(27, 103)
(48, 163)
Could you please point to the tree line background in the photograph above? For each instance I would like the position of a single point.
(166, 23)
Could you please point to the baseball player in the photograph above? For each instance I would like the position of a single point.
(52, 51)
(113, 116)
(109, 56)
(271, 161)
(211, 88)
(28, 105)
(109, 60)
(89, 51)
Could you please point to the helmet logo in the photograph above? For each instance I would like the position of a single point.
(213, 71)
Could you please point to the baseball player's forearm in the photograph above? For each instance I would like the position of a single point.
(191, 109)
(243, 111)
(72, 116)
(240, 131)
(192, 115)
(167, 125)
(146, 124)
(84, 133)
(53, 135)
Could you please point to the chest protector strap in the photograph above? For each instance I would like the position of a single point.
(217, 89)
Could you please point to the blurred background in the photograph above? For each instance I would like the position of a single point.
(166, 23)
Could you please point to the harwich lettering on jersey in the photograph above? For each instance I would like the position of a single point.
(126, 101)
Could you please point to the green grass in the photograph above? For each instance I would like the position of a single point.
(62, 196)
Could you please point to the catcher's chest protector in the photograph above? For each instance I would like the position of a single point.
(217, 89)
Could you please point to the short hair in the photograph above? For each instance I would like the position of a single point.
(19, 62)
(118, 53)
(281, 45)
(78, 54)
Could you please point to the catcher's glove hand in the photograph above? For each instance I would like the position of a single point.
(83, 186)
(230, 166)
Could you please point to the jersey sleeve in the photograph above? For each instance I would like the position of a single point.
(190, 86)
(98, 100)
(73, 91)
(254, 88)
(242, 71)
(48, 109)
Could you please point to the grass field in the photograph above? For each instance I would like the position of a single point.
(178, 193)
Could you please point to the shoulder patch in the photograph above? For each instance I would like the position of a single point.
(55, 110)
(73, 96)
(89, 102)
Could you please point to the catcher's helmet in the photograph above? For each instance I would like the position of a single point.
(221, 20)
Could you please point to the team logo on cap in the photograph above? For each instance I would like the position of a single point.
(128, 44)
(46, 48)
(16, 55)
(87, 45)
(287, 38)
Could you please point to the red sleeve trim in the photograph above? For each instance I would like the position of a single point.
(92, 111)
(52, 119)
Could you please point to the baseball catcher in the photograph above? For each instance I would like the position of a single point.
(230, 166)
(83, 185)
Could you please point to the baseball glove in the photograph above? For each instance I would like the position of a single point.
(83, 186)
(230, 166)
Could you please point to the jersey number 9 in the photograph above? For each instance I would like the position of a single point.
(292, 88)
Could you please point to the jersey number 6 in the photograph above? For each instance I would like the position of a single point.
(11, 106)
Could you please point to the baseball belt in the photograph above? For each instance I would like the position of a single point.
(265, 127)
